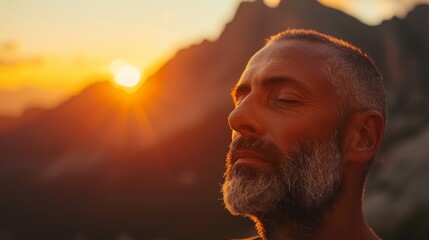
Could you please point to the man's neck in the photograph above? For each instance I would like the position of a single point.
(344, 221)
(351, 228)
(291, 228)
(288, 231)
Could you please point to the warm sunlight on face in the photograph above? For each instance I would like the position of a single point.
(124, 74)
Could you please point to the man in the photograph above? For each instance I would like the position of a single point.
(308, 121)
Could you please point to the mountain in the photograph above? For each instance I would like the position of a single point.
(7, 122)
(104, 164)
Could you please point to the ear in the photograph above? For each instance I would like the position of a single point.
(363, 138)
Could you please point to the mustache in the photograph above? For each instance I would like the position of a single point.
(262, 147)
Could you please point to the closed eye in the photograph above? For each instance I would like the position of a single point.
(286, 102)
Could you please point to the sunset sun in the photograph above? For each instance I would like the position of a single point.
(124, 74)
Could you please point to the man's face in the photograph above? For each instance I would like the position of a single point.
(285, 155)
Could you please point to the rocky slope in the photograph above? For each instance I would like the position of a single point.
(101, 165)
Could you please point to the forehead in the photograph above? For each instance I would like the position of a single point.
(301, 60)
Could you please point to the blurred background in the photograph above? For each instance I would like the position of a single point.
(113, 113)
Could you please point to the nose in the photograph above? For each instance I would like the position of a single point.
(246, 119)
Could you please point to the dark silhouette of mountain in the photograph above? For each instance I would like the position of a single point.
(104, 163)
(8, 122)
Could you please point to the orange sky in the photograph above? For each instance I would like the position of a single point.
(51, 49)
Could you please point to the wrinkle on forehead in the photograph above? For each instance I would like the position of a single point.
(294, 48)
(304, 51)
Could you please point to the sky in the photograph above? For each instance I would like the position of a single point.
(51, 49)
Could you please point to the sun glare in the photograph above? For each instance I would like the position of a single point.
(125, 74)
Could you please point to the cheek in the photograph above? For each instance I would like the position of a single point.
(289, 133)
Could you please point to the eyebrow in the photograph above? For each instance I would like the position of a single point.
(280, 80)
(269, 83)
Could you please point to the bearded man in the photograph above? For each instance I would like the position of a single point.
(308, 121)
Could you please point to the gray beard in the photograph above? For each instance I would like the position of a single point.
(297, 193)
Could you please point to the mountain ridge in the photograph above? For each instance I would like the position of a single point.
(91, 164)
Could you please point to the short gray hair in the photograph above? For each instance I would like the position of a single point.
(353, 74)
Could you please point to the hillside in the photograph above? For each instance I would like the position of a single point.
(149, 165)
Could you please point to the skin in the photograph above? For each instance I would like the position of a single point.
(282, 97)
